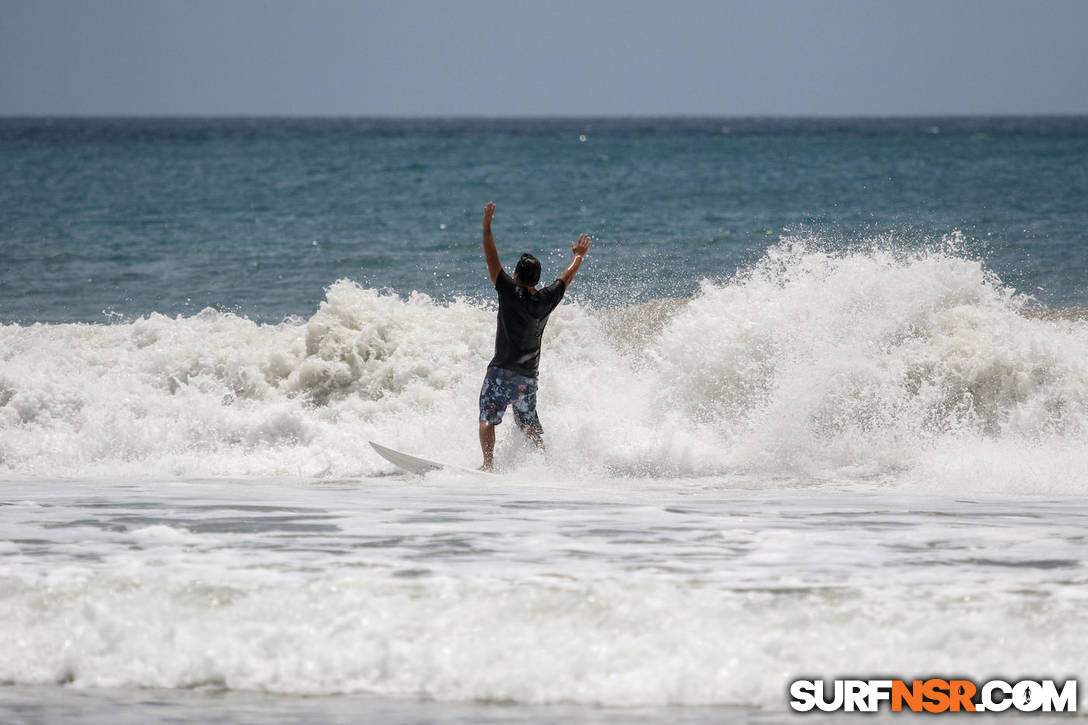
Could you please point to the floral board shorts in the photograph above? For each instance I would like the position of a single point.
(504, 388)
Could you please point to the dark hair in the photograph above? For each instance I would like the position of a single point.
(528, 269)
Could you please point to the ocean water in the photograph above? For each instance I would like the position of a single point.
(816, 406)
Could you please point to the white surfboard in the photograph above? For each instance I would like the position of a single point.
(417, 465)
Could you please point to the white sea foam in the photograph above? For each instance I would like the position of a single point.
(589, 594)
(613, 643)
(920, 368)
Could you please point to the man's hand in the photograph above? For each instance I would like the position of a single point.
(581, 246)
(579, 249)
(489, 214)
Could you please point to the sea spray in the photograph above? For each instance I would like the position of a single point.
(813, 364)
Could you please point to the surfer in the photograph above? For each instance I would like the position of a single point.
(523, 313)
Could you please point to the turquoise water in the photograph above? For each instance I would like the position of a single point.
(257, 216)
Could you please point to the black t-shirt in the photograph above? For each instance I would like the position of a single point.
(522, 316)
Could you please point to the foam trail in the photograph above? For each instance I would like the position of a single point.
(918, 368)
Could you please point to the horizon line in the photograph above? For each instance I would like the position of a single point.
(539, 117)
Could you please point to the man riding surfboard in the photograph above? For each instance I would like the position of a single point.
(523, 313)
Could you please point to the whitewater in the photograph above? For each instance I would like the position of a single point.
(864, 460)
(908, 369)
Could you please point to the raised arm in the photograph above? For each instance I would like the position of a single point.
(494, 266)
(579, 249)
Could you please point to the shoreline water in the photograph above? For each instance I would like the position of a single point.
(35, 706)
(601, 593)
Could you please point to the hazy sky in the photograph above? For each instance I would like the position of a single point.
(404, 57)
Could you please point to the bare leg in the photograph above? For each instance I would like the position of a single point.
(487, 444)
(535, 437)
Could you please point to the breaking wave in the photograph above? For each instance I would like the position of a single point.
(813, 365)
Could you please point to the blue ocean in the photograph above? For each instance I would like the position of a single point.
(816, 405)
